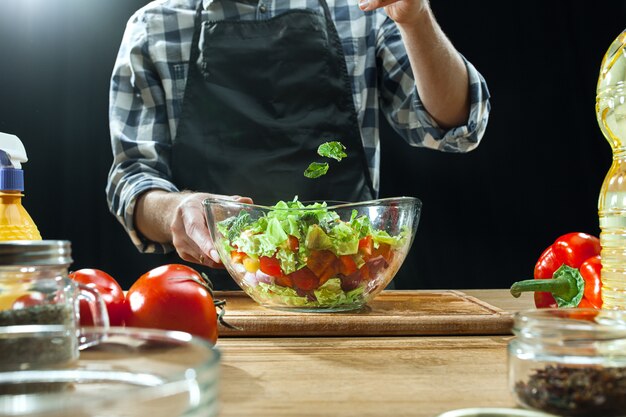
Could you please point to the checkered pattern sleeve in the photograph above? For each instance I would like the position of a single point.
(140, 131)
(404, 110)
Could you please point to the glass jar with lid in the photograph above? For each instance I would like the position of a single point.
(39, 305)
(569, 362)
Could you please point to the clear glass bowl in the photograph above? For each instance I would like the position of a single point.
(129, 372)
(569, 362)
(313, 257)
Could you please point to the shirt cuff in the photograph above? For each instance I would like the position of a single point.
(143, 244)
(466, 137)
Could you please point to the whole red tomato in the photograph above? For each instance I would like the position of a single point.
(173, 297)
(110, 290)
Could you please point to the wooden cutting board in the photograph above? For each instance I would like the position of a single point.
(391, 313)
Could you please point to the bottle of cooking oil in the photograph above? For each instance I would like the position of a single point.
(611, 114)
(15, 222)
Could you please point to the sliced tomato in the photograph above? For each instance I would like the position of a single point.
(346, 265)
(270, 266)
(305, 279)
(284, 281)
(383, 250)
(366, 245)
(237, 257)
(294, 244)
(364, 272)
(323, 263)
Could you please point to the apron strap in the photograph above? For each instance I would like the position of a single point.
(195, 41)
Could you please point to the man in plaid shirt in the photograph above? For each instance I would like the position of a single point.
(233, 97)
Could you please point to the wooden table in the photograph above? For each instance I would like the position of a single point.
(420, 376)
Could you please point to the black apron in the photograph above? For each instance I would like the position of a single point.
(261, 96)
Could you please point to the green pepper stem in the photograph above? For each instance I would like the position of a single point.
(564, 287)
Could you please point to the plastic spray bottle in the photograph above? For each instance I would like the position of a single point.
(15, 222)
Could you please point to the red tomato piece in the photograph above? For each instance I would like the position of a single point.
(383, 250)
(304, 279)
(323, 263)
(110, 291)
(237, 257)
(347, 266)
(294, 244)
(173, 297)
(284, 281)
(270, 266)
(364, 272)
(366, 245)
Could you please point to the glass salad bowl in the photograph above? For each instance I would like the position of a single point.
(313, 257)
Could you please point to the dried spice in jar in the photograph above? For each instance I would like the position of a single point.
(569, 362)
(576, 390)
(35, 337)
(50, 339)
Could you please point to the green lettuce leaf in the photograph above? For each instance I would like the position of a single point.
(334, 150)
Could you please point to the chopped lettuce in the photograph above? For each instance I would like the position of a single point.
(314, 225)
(329, 294)
(279, 294)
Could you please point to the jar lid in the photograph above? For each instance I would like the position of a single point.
(35, 252)
(494, 412)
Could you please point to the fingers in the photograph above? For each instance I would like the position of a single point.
(246, 200)
(190, 234)
(200, 259)
(369, 5)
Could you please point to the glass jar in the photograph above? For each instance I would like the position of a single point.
(569, 362)
(39, 305)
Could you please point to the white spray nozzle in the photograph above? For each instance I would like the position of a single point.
(14, 147)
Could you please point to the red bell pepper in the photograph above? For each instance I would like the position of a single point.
(567, 274)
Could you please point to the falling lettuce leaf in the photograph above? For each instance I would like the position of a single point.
(316, 169)
(334, 150)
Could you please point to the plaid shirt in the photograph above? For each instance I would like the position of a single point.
(150, 74)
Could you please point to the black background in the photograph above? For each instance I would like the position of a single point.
(487, 215)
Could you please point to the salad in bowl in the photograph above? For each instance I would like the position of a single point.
(318, 257)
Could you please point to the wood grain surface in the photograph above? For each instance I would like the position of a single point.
(362, 376)
(391, 313)
(412, 376)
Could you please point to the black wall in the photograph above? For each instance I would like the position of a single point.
(487, 215)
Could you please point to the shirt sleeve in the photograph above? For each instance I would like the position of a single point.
(140, 135)
(403, 108)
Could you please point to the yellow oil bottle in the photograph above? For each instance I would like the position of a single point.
(15, 222)
(611, 115)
